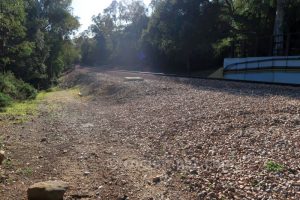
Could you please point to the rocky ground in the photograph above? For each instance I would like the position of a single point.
(161, 138)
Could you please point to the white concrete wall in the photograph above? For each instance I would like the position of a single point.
(261, 62)
(272, 77)
(280, 75)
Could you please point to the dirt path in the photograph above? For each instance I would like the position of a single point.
(72, 140)
(159, 139)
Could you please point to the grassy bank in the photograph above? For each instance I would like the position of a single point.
(20, 111)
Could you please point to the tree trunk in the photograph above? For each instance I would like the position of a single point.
(279, 29)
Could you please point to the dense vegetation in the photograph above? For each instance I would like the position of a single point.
(181, 35)
(36, 42)
(35, 45)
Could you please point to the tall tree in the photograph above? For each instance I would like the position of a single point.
(12, 33)
(183, 32)
(34, 36)
(181, 35)
(50, 24)
(279, 27)
(116, 33)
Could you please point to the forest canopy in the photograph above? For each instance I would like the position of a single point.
(180, 35)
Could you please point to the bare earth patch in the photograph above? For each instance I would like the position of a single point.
(161, 138)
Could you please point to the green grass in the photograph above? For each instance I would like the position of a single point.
(272, 166)
(25, 107)
(27, 171)
(53, 89)
(7, 163)
(20, 111)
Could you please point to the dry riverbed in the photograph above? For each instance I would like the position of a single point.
(161, 138)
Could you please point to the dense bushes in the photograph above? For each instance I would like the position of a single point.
(4, 101)
(16, 88)
(26, 91)
(12, 88)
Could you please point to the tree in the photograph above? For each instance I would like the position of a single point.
(279, 27)
(50, 24)
(115, 34)
(182, 34)
(34, 37)
(12, 31)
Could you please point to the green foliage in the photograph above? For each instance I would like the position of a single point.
(179, 35)
(16, 88)
(27, 171)
(22, 110)
(181, 32)
(272, 166)
(116, 35)
(12, 30)
(26, 91)
(8, 164)
(5, 100)
(36, 46)
(35, 40)
(70, 54)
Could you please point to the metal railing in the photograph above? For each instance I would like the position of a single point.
(233, 66)
(275, 45)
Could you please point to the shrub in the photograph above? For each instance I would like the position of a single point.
(7, 85)
(27, 91)
(272, 166)
(15, 88)
(5, 100)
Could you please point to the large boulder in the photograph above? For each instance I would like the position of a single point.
(49, 190)
(2, 156)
